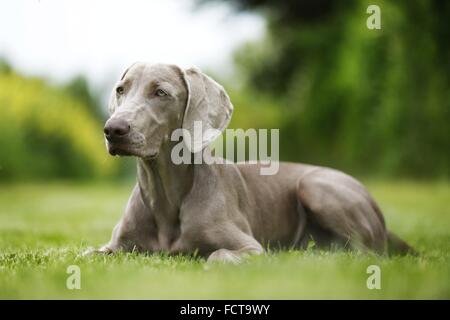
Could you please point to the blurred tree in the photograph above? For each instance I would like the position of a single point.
(362, 100)
(5, 67)
(79, 89)
(46, 133)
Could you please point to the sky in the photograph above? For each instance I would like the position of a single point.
(59, 39)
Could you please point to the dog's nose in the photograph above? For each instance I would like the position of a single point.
(116, 128)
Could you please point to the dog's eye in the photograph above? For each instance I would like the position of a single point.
(161, 93)
(120, 90)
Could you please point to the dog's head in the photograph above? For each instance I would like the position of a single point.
(150, 101)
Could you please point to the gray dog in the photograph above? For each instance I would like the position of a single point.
(222, 211)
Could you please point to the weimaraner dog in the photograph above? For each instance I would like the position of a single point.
(222, 211)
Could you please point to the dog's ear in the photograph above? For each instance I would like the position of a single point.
(207, 104)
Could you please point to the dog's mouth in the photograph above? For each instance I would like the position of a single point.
(120, 150)
(124, 150)
(151, 156)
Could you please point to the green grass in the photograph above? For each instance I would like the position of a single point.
(44, 228)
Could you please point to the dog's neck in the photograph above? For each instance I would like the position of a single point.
(164, 185)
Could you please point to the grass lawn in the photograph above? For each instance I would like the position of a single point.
(44, 228)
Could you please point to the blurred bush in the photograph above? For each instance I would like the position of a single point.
(79, 89)
(45, 132)
(366, 101)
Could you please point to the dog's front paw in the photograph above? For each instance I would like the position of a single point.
(92, 251)
(225, 256)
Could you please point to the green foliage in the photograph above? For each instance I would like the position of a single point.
(367, 101)
(78, 88)
(45, 133)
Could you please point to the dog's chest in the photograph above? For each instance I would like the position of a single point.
(165, 241)
(164, 238)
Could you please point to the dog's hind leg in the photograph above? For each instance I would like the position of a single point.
(341, 212)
